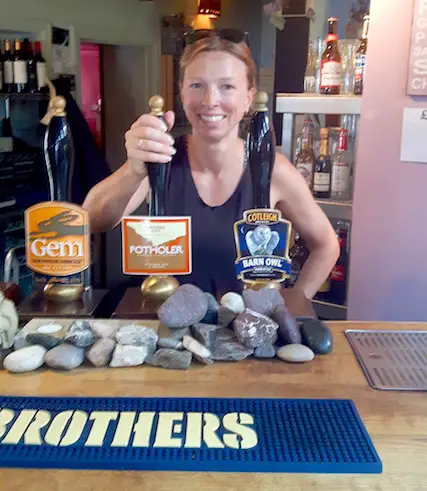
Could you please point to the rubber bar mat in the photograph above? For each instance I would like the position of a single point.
(185, 434)
(391, 360)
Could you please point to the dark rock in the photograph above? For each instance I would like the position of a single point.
(317, 336)
(205, 334)
(211, 316)
(170, 343)
(179, 333)
(265, 351)
(172, 359)
(45, 340)
(289, 330)
(230, 351)
(203, 360)
(253, 329)
(225, 334)
(263, 301)
(80, 334)
(187, 306)
(226, 316)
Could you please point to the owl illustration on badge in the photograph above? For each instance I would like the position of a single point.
(262, 240)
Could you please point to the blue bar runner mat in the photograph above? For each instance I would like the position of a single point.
(185, 434)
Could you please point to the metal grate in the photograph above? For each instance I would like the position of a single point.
(282, 435)
(391, 360)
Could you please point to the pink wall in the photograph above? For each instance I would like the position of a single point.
(388, 278)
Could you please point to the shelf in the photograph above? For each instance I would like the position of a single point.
(308, 103)
(8, 203)
(330, 311)
(336, 209)
(24, 96)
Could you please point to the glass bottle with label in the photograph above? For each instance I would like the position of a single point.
(360, 59)
(338, 277)
(8, 85)
(304, 161)
(330, 67)
(298, 254)
(340, 184)
(322, 171)
(20, 68)
(40, 66)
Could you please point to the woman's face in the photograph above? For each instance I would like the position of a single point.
(215, 94)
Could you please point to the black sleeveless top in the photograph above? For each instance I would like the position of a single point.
(213, 244)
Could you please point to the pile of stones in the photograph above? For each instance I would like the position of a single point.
(256, 323)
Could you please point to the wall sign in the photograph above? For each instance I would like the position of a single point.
(417, 76)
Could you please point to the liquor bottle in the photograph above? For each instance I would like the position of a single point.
(40, 66)
(322, 170)
(330, 67)
(31, 68)
(338, 275)
(9, 86)
(298, 254)
(20, 68)
(360, 58)
(340, 184)
(262, 151)
(304, 161)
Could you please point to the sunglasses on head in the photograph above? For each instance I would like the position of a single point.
(233, 35)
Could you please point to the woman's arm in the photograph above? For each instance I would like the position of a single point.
(290, 194)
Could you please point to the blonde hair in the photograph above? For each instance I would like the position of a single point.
(215, 43)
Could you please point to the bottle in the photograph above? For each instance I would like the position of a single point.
(262, 151)
(304, 161)
(360, 58)
(8, 86)
(330, 66)
(40, 66)
(338, 275)
(322, 171)
(6, 125)
(1, 71)
(298, 254)
(20, 69)
(31, 68)
(340, 184)
(325, 290)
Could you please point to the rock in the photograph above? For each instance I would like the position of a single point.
(205, 334)
(263, 301)
(3, 354)
(253, 329)
(199, 351)
(225, 334)
(20, 340)
(134, 335)
(65, 357)
(187, 306)
(317, 336)
(172, 359)
(9, 322)
(211, 316)
(226, 316)
(295, 353)
(103, 330)
(45, 340)
(128, 356)
(233, 301)
(230, 351)
(25, 360)
(170, 343)
(289, 330)
(179, 333)
(265, 351)
(101, 352)
(80, 334)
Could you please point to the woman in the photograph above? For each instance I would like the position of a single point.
(209, 179)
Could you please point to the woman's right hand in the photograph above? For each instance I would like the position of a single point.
(148, 140)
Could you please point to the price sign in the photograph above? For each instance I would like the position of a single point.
(417, 76)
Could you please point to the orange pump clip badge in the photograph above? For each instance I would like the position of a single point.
(57, 238)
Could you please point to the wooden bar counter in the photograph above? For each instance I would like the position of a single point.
(396, 421)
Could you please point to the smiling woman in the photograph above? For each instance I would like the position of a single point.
(209, 176)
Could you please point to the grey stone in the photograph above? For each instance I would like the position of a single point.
(205, 334)
(172, 359)
(187, 306)
(65, 357)
(230, 351)
(9, 322)
(45, 340)
(3, 354)
(289, 330)
(103, 330)
(295, 353)
(253, 329)
(265, 351)
(192, 345)
(203, 360)
(101, 352)
(226, 316)
(179, 333)
(170, 343)
(211, 316)
(20, 340)
(225, 334)
(80, 334)
(134, 335)
(25, 360)
(263, 301)
(317, 336)
(128, 356)
(233, 301)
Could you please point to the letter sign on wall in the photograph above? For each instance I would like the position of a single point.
(417, 76)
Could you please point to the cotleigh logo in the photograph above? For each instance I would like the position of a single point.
(57, 238)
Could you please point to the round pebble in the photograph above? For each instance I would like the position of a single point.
(295, 353)
(233, 301)
(25, 360)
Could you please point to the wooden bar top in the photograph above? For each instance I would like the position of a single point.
(396, 421)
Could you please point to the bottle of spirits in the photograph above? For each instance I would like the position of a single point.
(322, 170)
(8, 86)
(360, 58)
(40, 66)
(304, 161)
(330, 66)
(340, 184)
(338, 292)
(298, 254)
(20, 68)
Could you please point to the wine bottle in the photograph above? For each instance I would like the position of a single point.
(31, 68)
(40, 66)
(330, 68)
(20, 69)
(9, 85)
(322, 171)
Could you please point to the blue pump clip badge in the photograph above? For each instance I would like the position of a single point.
(262, 243)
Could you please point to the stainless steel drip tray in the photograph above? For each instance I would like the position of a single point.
(391, 360)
